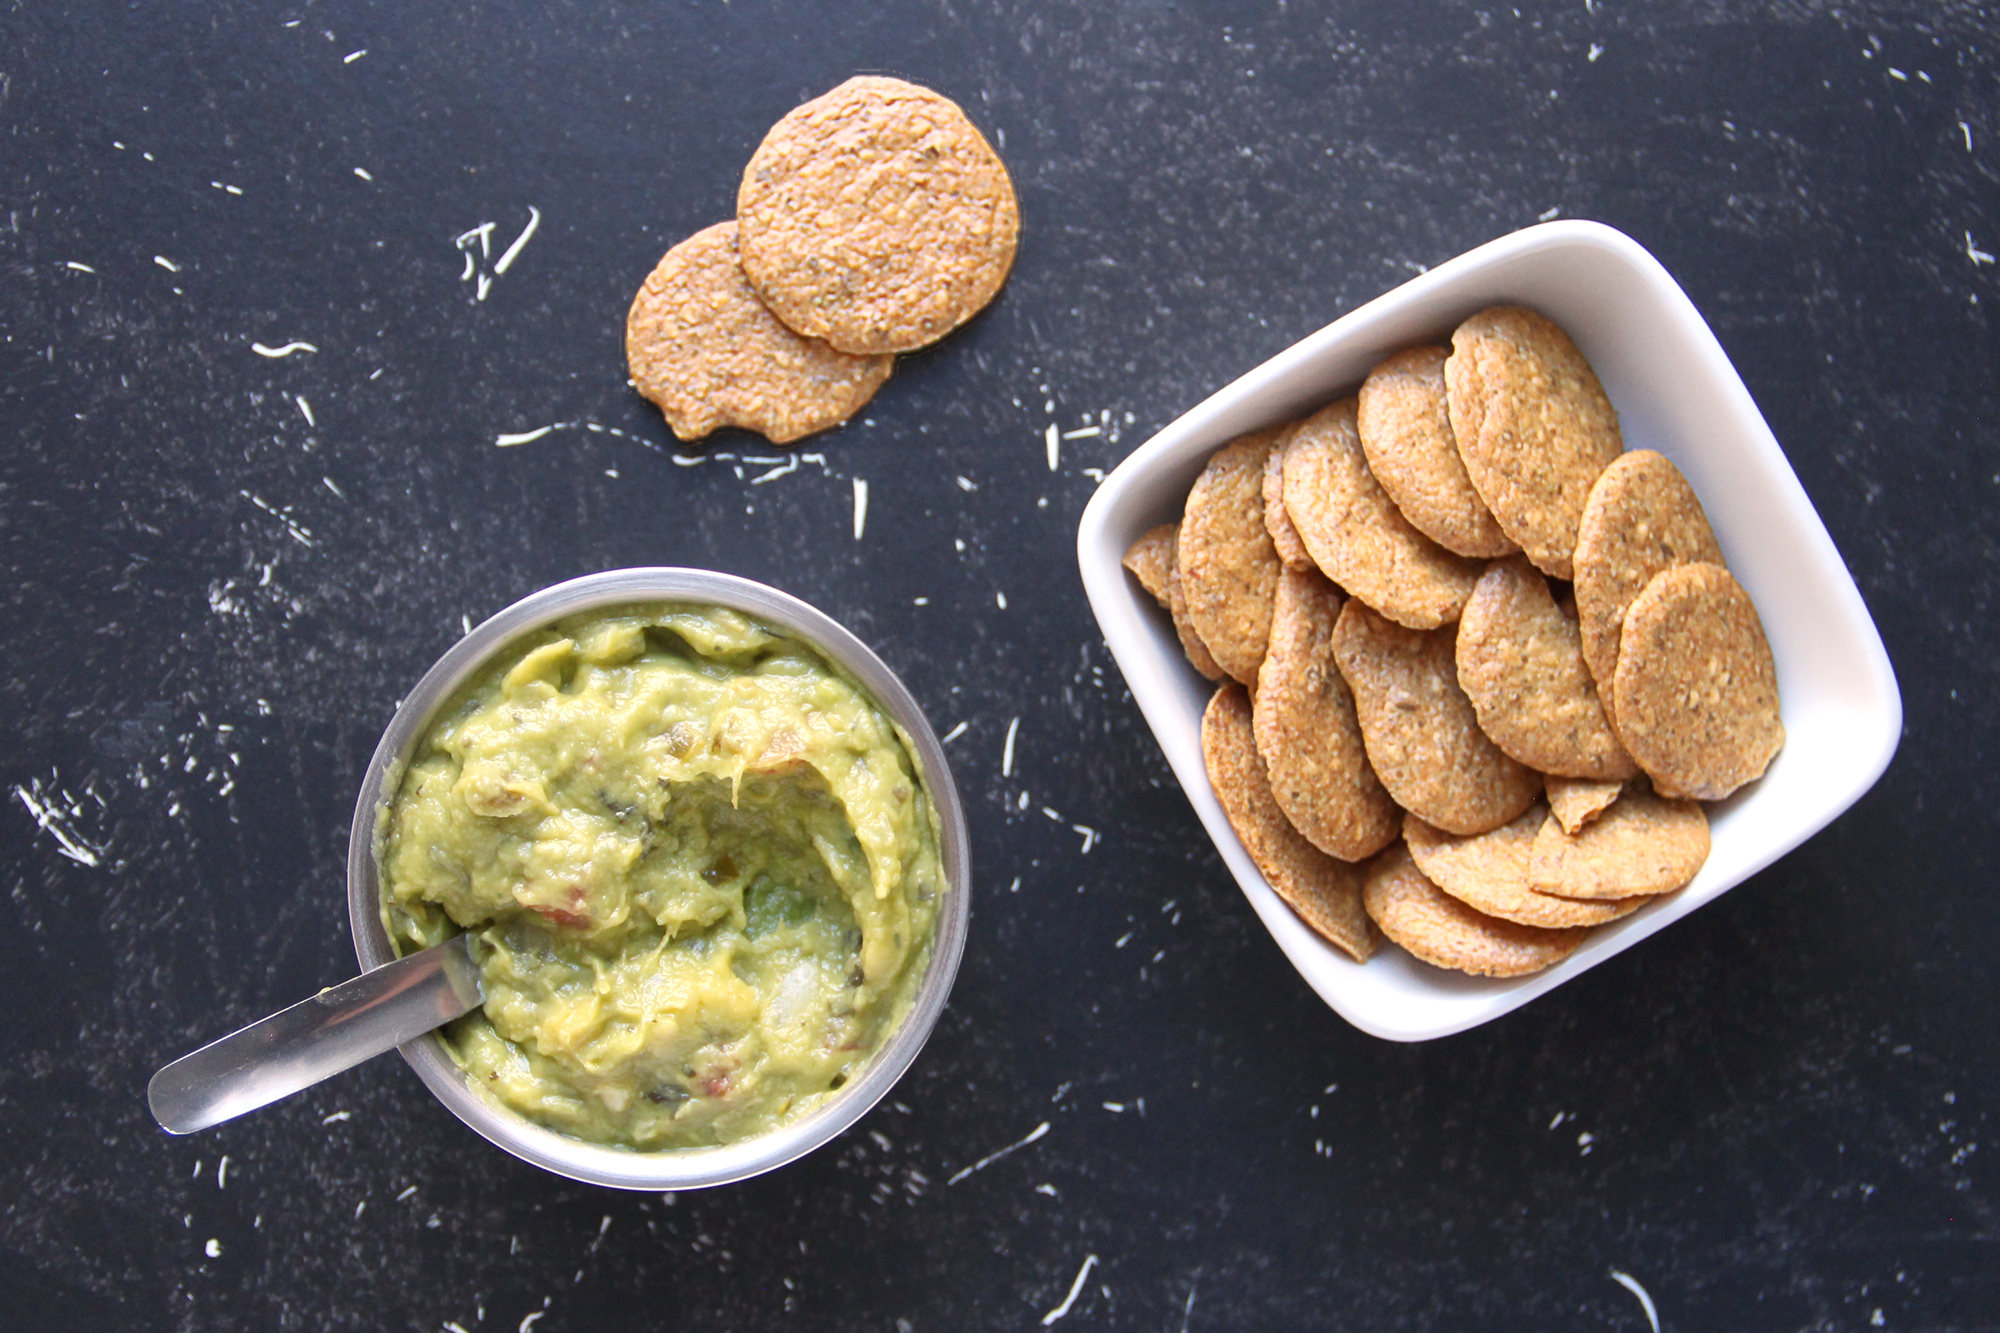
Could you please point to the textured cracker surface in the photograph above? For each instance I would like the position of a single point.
(1697, 684)
(1406, 433)
(1326, 893)
(1229, 568)
(1489, 873)
(1643, 844)
(1442, 931)
(877, 217)
(1191, 644)
(1520, 661)
(1355, 533)
(1285, 537)
(710, 354)
(1642, 517)
(1307, 731)
(1423, 739)
(1545, 429)
(1151, 559)
(1576, 801)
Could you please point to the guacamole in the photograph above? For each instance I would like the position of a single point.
(700, 863)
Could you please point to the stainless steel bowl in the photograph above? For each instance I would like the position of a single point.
(686, 1168)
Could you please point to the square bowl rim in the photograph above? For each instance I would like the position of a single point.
(1127, 503)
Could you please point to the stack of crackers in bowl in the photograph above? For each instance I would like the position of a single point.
(1677, 399)
(871, 221)
(1479, 663)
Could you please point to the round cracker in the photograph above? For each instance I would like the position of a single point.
(1544, 429)
(1489, 873)
(1191, 644)
(1285, 537)
(1442, 931)
(1307, 731)
(1576, 801)
(1151, 559)
(877, 217)
(1229, 568)
(1406, 434)
(1521, 663)
(1355, 533)
(1642, 844)
(1422, 737)
(710, 354)
(1697, 688)
(1642, 517)
(1324, 892)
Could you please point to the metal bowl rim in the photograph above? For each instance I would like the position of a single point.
(690, 1168)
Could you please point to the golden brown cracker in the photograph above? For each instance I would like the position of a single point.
(1151, 559)
(1405, 428)
(705, 350)
(1191, 644)
(1547, 429)
(1326, 893)
(1697, 688)
(1422, 737)
(1307, 731)
(1442, 931)
(1576, 801)
(1355, 533)
(1641, 517)
(1229, 568)
(1642, 844)
(877, 217)
(1489, 873)
(1520, 661)
(1285, 537)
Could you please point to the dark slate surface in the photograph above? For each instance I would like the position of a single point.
(213, 600)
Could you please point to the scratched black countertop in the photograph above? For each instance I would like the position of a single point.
(223, 569)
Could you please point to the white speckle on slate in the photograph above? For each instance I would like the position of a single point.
(166, 263)
(1082, 1275)
(860, 507)
(1007, 753)
(353, 56)
(363, 174)
(213, 1249)
(1631, 1284)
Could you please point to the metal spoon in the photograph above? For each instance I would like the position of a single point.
(316, 1038)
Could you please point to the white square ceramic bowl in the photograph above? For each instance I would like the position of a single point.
(1675, 392)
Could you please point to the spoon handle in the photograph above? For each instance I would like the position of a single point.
(316, 1038)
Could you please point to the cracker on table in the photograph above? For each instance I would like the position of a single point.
(1191, 644)
(1545, 429)
(1576, 801)
(1151, 559)
(1285, 538)
(1326, 893)
(1642, 517)
(1229, 568)
(1442, 931)
(1642, 844)
(1406, 434)
(704, 349)
(1489, 873)
(1422, 737)
(1697, 688)
(877, 217)
(1521, 663)
(1355, 533)
(1308, 734)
